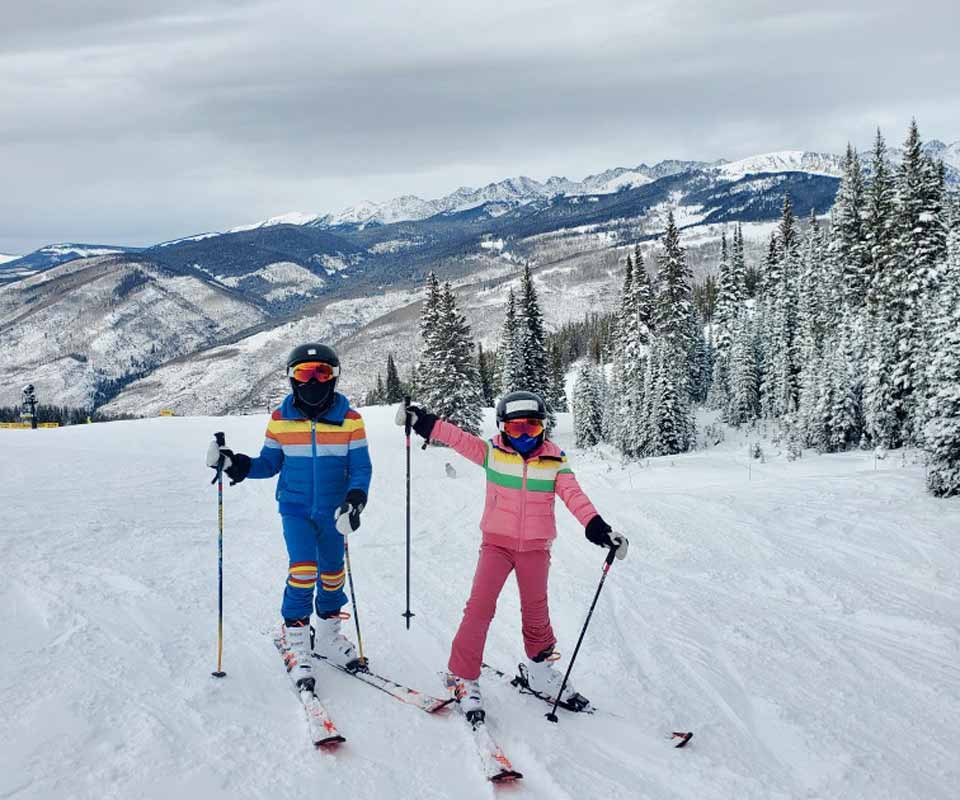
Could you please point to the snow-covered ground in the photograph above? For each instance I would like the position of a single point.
(802, 618)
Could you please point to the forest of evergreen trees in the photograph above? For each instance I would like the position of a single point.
(846, 336)
(851, 340)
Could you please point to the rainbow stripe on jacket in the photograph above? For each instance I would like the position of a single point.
(519, 510)
(318, 462)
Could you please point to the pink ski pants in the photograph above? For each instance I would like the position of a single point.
(495, 564)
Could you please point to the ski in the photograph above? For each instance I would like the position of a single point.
(323, 733)
(520, 684)
(496, 766)
(398, 691)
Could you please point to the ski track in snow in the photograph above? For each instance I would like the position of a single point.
(802, 619)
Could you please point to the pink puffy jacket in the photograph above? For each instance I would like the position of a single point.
(519, 511)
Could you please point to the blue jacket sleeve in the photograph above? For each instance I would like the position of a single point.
(359, 468)
(268, 463)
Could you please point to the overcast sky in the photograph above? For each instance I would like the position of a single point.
(133, 122)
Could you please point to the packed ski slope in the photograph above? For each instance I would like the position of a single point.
(802, 618)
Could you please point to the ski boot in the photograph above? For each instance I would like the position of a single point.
(540, 677)
(296, 633)
(332, 645)
(467, 694)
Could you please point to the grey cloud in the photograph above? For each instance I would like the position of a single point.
(155, 125)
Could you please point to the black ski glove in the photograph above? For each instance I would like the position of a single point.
(239, 469)
(348, 515)
(421, 420)
(598, 532)
(235, 465)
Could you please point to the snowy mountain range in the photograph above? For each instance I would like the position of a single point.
(510, 192)
(521, 190)
(173, 324)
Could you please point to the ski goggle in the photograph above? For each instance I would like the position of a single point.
(313, 370)
(519, 427)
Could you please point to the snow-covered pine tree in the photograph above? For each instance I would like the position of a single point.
(377, 395)
(744, 404)
(942, 432)
(883, 425)
(454, 391)
(535, 373)
(848, 245)
(730, 299)
(780, 388)
(673, 304)
(920, 226)
(629, 356)
(644, 297)
(845, 415)
(485, 369)
(671, 423)
(738, 263)
(879, 225)
(587, 410)
(558, 397)
(700, 359)
(880, 395)
(431, 348)
(509, 365)
(810, 333)
(393, 389)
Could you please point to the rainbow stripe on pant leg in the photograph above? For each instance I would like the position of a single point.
(303, 575)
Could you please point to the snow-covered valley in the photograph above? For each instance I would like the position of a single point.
(802, 617)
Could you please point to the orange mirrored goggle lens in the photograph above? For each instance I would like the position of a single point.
(313, 370)
(519, 427)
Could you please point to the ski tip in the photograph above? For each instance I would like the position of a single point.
(506, 776)
(330, 743)
(683, 736)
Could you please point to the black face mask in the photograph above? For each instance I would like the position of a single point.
(313, 397)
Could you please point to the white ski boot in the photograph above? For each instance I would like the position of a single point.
(467, 694)
(332, 645)
(299, 656)
(543, 678)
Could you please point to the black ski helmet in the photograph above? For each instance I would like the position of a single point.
(520, 405)
(313, 398)
(312, 352)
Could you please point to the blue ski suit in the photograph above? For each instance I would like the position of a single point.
(319, 462)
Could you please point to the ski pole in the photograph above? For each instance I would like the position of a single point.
(406, 430)
(353, 601)
(552, 715)
(218, 479)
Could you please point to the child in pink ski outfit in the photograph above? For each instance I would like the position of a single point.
(524, 474)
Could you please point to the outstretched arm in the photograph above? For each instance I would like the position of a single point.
(432, 429)
(471, 447)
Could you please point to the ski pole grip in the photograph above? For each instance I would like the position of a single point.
(406, 417)
(612, 554)
(221, 441)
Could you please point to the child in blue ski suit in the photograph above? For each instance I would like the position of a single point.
(317, 443)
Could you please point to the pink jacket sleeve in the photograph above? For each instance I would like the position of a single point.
(574, 498)
(466, 444)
